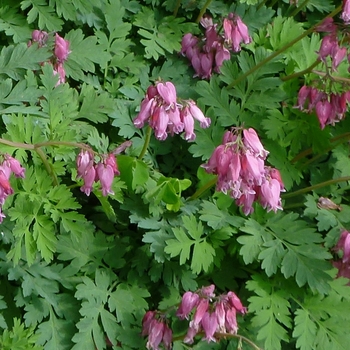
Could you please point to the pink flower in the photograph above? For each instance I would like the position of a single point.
(236, 303)
(329, 44)
(145, 112)
(270, 195)
(146, 322)
(105, 174)
(231, 321)
(168, 92)
(188, 123)
(327, 26)
(243, 30)
(111, 160)
(345, 16)
(15, 166)
(252, 142)
(167, 337)
(59, 69)
(84, 162)
(188, 303)
(191, 332)
(156, 331)
(39, 36)
(88, 176)
(188, 41)
(198, 114)
(202, 308)
(338, 56)
(61, 48)
(209, 324)
(220, 316)
(324, 112)
(5, 185)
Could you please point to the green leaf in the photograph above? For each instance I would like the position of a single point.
(14, 24)
(44, 13)
(94, 106)
(84, 53)
(271, 310)
(15, 60)
(252, 244)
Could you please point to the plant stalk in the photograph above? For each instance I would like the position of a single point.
(285, 47)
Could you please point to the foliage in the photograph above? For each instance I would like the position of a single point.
(79, 272)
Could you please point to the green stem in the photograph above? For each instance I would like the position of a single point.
(273, 3)
(176, 9)
(314, 187)
(47, 165)
(225, 336)
(299, 8)
(261, 4)
(201, 13)
(203, 189)
(303, 72)
(282, 49)
(17, 144)
(338, 139)
(147, 140)
(62, 143)
(323, 74)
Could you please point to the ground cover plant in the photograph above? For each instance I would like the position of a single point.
(174, 174)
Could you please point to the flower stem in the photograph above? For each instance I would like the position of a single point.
(47, 165)
(203, 189)
(145, 145)
(336, 140)
(201, 13)
(176, 9)
(314, 187)
(282, 49)
(261, 4)
(323, 74)
(303, 72)
(17, 144)
(299, 8)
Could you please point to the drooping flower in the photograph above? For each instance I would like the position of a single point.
(343, 248)
(61, 48)
(39, 36)
(103, 171)
(154, 326)
(167, 115)
(8, 166)
(345, 16)
(239, 163)
(210, 314)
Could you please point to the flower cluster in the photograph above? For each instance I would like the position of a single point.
(239, 163)
(8, 166)
(60, 52)
(208, 313)
(330, 44)
(329, 108)
(329, 95)
(166, 115)
(211, 314)
(208, 53)
(91, 172)
(155, 327)
(343, 265)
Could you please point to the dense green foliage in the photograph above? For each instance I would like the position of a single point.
(80, 272)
